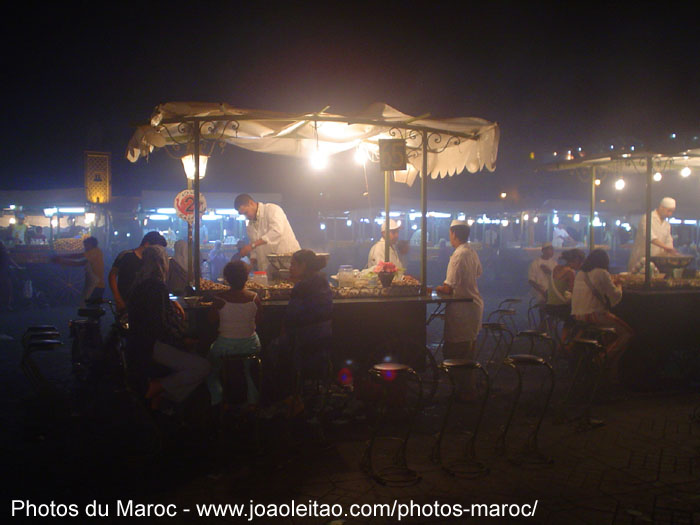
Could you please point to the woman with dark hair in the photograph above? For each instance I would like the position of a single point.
(593, 295)
(238, 312)
(306, 327)
(156, 333)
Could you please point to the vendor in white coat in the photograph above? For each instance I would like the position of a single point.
(269, 231)
(661, 240)
(463, 319)
(376, 253)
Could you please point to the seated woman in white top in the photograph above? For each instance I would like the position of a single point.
(593, 295)
(238, 311)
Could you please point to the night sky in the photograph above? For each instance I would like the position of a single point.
(77, 78)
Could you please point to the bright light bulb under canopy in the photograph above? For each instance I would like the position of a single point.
(597, 182)
(188, 164)
(620, 184)
(504, 195)
(318, 160)
(685, 172)
(658, 176)
(360, 156)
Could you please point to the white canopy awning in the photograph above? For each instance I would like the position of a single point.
(454, 145)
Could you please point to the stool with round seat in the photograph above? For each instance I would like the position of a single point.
(390, 376)
(509, 302)
(467, 466)
(529, 454)
(504, 316)
(590, 355)
(496, 343)
(534, 337)
(33, 342)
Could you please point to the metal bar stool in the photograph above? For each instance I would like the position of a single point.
(504, 316)
(467, 466)
(530, 453)
(502, 340)
(588, 352)
(243, 359)
(534, 309)
(38, 341)
(534, 337)
(397, 473)
(509, 302)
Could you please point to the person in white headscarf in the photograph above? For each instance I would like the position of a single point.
(177, 273)
(661, 239)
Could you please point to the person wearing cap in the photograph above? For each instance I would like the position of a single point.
(19, 230)
(127, 264)
(268, 229)
(561, 286)
(661, 239)
(376, 253)
(539, 272)
(462, 319)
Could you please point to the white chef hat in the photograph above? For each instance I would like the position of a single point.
(668, 202)
(456, 222)
(393, 225)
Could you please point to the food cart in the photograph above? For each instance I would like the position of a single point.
(660, 309)
(433, 148)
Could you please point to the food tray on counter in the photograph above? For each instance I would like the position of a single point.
(636, 282)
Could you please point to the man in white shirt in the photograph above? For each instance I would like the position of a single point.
(463, 319)
(560, 237)
(376, 253)
(661, 239)
(539, 272)
(269, 231)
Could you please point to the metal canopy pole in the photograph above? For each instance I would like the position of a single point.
(647, 240)
(591, 231)
(424, 217)
(197, 268)
(387, 246)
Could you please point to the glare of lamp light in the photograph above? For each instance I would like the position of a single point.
(360, 157)
(658, 176)
(555, 220)
(89, 217)
(348, 223)
(318, 160)
(597, 182)
(50, 212)
(12, 206)
(526, 217)
(116, 233)
(504, 195)
(13, 220)
(323, 226)
(414, 227)
(504, 222)
(128, 234)
(470, 221)
(188, 164)
(620, 184)
(577, 217)
(618, 222)
(536, 220)
(54, 222)
(685, 172)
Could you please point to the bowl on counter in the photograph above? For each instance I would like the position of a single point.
(192, 300)
(667, 263)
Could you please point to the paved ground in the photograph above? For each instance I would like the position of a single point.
(642, 466)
